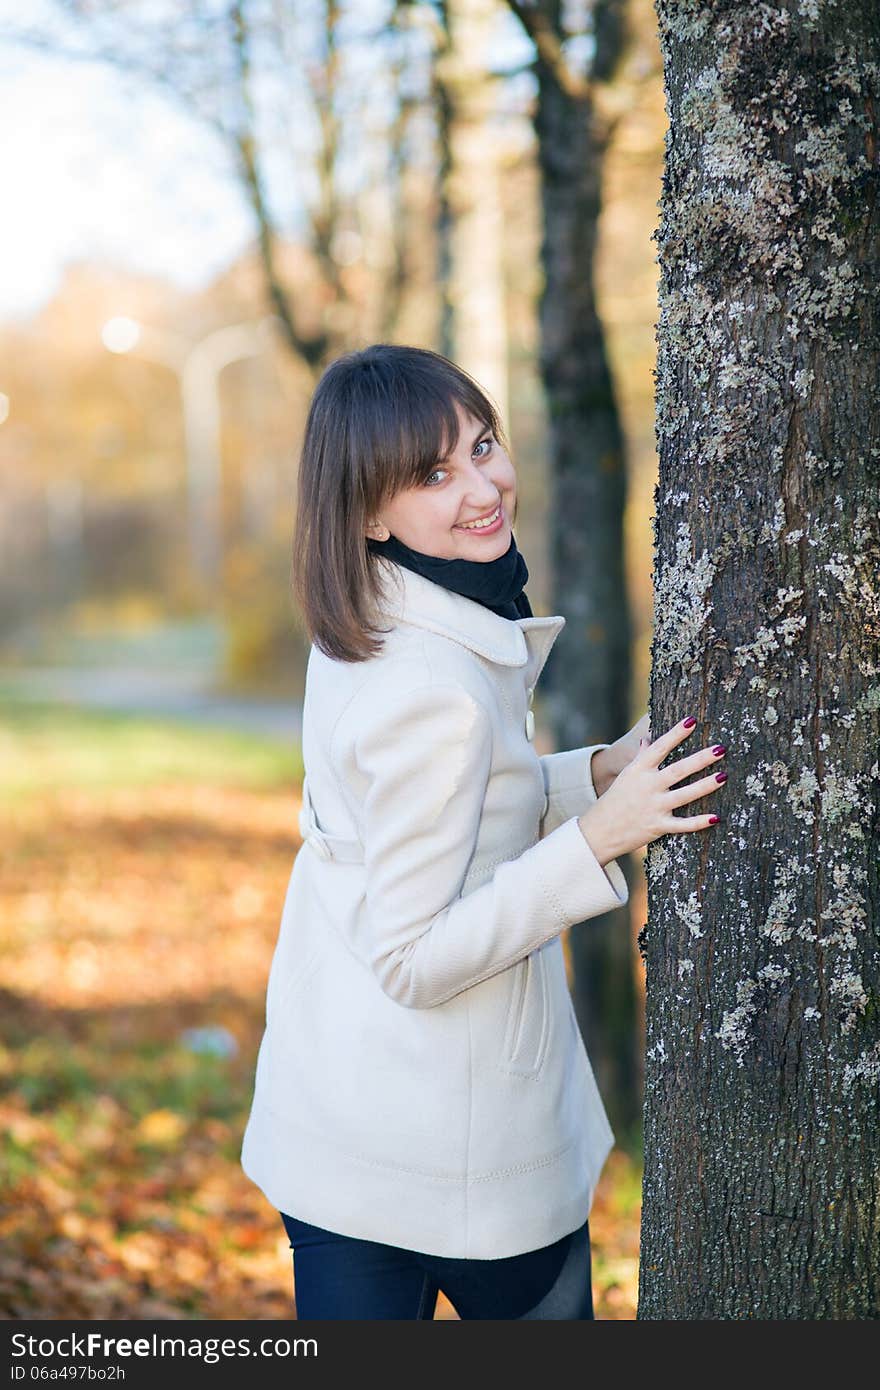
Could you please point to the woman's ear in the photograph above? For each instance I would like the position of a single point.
(377, 532)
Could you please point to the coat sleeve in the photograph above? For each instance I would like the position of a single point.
(568, 784)
(426, 757)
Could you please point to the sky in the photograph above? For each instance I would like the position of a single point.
(96, 168)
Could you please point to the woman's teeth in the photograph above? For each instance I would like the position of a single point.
(478, 525)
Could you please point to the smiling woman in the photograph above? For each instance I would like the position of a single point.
(425, 1115)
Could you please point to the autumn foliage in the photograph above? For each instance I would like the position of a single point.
(134, 909)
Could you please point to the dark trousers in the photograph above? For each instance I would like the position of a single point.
(341, 1277)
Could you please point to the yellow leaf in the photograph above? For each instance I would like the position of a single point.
(161, 1127)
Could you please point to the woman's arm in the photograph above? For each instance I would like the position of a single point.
(570, 783)
(425, 754)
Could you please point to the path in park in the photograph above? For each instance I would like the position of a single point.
(169, 694)
(171, 670)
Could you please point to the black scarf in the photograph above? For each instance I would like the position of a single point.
(497, 584)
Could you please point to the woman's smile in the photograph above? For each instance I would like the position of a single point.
(484, 526)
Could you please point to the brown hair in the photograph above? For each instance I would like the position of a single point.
(380, 420)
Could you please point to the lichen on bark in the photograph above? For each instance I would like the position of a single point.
(762, 951)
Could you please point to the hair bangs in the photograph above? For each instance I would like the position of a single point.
(406, 423)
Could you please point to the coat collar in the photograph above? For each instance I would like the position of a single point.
(411, 598)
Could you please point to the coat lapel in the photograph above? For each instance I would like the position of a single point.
(539, 634)
(523, 642)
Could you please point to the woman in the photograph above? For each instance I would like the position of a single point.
(425, 1115)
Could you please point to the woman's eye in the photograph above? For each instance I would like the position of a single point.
(488, 449)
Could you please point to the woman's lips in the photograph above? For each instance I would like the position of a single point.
(484, 530)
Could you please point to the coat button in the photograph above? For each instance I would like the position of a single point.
(530, 725)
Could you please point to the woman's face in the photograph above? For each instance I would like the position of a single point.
(470, 485)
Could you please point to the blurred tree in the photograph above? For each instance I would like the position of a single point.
(761, 1187)
(474, 315)
(579, 54)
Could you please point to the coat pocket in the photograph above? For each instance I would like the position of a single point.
(528, 1017)
(281, 993)
(285, 1036)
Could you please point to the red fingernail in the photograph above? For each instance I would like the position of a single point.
(713, 820)
(689, 722)
(719, 749)
(720, 776)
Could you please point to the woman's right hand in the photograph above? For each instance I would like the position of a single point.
(637, 808)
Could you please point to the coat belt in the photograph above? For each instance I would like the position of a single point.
(336, 846)
(324, 845)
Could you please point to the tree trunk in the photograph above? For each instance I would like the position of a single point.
(762, 1128)
(588, 677)
(472, 240)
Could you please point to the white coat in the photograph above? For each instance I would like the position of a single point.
(422, 1080)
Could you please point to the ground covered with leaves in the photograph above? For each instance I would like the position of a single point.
(143, 869)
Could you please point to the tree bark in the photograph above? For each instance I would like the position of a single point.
(762, 1129)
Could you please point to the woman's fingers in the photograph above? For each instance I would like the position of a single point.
(694, 762)
(651, 755)
(682, 767)
(683, 796)
(665, 743)
(685, 823)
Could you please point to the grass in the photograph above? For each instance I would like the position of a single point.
(45, 746)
